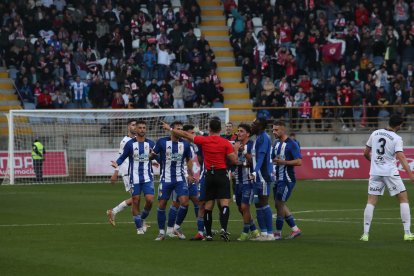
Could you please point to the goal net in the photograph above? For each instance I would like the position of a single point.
(80, 144)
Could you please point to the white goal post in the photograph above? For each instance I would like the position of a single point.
(80, 143)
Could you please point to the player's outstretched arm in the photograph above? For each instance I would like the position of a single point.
(401, 157)
(177, 132)
(114, 177)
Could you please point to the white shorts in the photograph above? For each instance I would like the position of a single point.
(376, 185)
(123, 171)
(127, 184)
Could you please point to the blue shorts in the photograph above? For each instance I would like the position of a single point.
(244, 194)
(193, 189)
(165, 189)
(261, 188)
(147, 188)
(283, 190)
(201, 187)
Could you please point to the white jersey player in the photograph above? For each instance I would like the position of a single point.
(382, 149)
(123, 170)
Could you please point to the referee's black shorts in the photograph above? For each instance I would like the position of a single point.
(217, 185)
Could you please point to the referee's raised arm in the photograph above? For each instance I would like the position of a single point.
(179, 133)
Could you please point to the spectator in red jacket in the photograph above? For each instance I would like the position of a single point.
(44, 101)
(361, 15)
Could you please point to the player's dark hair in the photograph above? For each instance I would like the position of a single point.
(215, 124)
(141, 122)
(279, 123)
(261, 123)
(188, 127)
(395, 120)
(246, 127)
(175, 123)
(131, 121)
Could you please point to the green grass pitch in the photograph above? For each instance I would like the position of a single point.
(62, 230)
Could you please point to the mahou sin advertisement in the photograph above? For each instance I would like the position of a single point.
(340, 163)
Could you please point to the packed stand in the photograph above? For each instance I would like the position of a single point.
(313, 55)
(114, 54)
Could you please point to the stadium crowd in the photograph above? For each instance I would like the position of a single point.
(315, 53)
(116, 54)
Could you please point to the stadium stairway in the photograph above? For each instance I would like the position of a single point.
(8, 100)
(236, 94)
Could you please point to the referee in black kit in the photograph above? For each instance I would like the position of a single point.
(216, 151)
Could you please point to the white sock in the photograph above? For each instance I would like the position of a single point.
(368, 214)
(162, 232)
(405, 217)
(295, 228)
(170, 229)
(176, 226)
(121, 206)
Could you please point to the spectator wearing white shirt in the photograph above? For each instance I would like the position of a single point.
(163, 61)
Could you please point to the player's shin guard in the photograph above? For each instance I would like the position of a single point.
(182, 212)
(252, 225)
(290, 220)
(368, 214)
(196, 208)
(268, 219)
(121, 206)
(145, 213)
(279, 224)
(138, 221)
(406, 217)
(261, 220)
(224, 217)
(161, 219)
(200, 225)
(172, 216)
(208, 221)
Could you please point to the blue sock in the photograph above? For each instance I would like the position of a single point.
(182, 212)
(161, 218)
(252, 225)
(290, 220)
(172, 216)
(200, 224)
(246, 228)
(145, 213)
(260, 219)
(196, 208)
(279, 223)
(268, 219)
(138, 221)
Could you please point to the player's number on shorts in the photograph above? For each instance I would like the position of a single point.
(382, 143)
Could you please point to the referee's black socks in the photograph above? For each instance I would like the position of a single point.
(208, 221)
(224, 217)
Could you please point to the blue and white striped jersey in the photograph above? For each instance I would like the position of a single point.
(242, 170)
(172, 156)
(287, 150)
(140, 167)
(262, 165)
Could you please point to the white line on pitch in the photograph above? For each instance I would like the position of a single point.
(344, 221)
(338, 210)
(193, 221)
(90, 223)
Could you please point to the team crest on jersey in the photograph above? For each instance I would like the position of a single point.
(180, 147)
